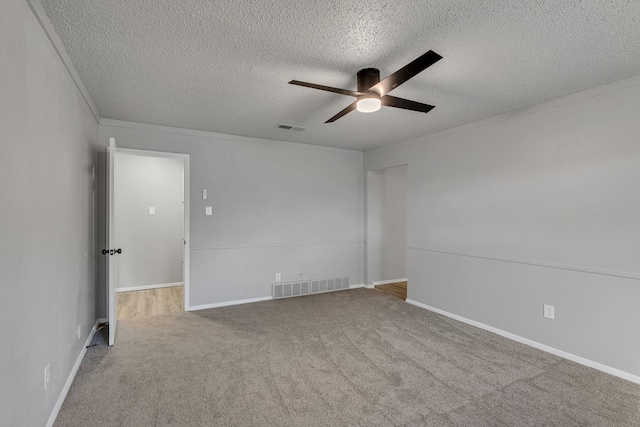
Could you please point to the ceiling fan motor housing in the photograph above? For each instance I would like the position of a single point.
(367, 78)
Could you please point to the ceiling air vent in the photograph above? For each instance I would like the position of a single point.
(289, 127)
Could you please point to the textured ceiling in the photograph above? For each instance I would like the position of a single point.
(223, 66)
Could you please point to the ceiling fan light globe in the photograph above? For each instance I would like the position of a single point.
(369, 105)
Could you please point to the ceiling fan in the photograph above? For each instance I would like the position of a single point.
(372, 93)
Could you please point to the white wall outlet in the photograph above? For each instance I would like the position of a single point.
(209, 210)
(47, 376)
(549, 311)
(278, 277)
(79, 333)
(204, 194)
(152, 210)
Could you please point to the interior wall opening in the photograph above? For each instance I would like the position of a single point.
(387, 230)
(149, 227)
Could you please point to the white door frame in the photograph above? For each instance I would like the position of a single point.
(186, 207)
(112, 314)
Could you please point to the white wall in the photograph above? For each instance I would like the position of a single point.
(387, 224)
(152, 244)
(47, 248)
(277, 208)
(530, 208)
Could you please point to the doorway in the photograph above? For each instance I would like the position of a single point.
(387, 230)
(148, 225)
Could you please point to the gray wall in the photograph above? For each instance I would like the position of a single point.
(387, 224)
(47, 152)
(278, 207)
(530, 208)
(152, 244)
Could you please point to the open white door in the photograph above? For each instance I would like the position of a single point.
(112, 255)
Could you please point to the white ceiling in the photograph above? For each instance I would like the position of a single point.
(223, 66)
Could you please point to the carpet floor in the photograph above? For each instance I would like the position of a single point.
(349, 358)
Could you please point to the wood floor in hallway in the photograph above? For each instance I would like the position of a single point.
(398, 289)
(150, 302)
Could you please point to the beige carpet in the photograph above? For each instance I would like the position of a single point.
(350, 358)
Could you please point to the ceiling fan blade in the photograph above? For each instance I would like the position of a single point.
(405, 73)
(326, 88)
(350, 108)
(392, 101)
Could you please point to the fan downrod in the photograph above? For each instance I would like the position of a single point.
(367, 78)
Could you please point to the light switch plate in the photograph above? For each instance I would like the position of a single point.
(152, 210)
(209, 210)
(204, 194)
(549, 311)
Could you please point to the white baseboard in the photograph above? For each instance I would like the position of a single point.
(362, 285)
(145, 287)
(369, 286)
(72, 375)
(581, 360)
(386, 282)
(227, 303)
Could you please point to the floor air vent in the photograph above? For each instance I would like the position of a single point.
(308, 287)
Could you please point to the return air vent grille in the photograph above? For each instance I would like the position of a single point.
(308, 287)
(290, 127)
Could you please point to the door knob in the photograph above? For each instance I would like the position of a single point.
(111, 251)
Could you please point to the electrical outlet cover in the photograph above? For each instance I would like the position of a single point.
(549, 311)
